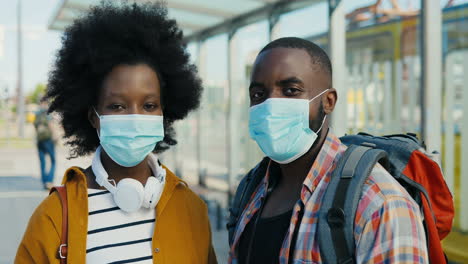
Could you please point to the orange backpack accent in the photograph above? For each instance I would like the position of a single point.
(438, 211)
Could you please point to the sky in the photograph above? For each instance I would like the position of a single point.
(41, 44)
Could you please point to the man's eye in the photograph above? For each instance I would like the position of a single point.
(257, 95)
(291, 91)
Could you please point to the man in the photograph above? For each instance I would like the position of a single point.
(291, 99)
(45, 145)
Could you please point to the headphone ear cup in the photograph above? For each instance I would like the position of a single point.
(157, 194)
(153, 192)
(150, 188)
(129, 195)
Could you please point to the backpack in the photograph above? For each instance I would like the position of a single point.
(404, 157)
(41, 123)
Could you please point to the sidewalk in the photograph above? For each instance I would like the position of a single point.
(456, 247)
(21, 191)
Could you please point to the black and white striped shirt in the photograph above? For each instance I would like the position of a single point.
(115, 236)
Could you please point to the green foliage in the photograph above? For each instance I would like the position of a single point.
(36, 95)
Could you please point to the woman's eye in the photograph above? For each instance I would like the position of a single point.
(150, 107)
(116, 107)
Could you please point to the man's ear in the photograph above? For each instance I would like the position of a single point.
(329, 101)
(92, 117)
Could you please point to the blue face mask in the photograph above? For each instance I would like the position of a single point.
(128, 139)
(280, 126)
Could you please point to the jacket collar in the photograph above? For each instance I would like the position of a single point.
(325, 162)
(75, 176)
(77, 193)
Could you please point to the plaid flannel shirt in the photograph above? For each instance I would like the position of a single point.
(388, 226)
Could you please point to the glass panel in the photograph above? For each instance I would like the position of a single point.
(213, 107)
(246, 44)
(384, 66)
(305, 22)
(211, 58)
(182, 158)
(454, 110)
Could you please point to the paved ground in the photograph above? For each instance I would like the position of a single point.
(21, 191)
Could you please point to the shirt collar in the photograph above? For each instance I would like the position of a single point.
(331, 151)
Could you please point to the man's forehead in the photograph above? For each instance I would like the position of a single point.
(283, 61)
(281, 55)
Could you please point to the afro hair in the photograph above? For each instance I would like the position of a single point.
(113, 34)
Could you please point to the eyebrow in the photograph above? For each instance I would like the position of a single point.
(290, 80)
(256, 84)
(119, 95)
(285, 82)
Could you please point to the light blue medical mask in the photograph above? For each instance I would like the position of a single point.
(280, 126)
(128, 139)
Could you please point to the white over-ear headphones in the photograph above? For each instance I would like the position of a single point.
(129, 194)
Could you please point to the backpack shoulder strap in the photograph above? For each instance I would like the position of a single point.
(243, 194)
(338, 208)
(62, 250)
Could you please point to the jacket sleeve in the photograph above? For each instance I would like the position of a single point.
(42, 236)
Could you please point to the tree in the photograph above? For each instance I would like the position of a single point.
(36, 95)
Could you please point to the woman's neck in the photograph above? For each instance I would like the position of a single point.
(140, 172)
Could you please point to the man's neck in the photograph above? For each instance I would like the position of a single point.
(294, 173)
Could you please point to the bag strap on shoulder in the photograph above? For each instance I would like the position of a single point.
(63, 248)
(243, 194)
(338, 208)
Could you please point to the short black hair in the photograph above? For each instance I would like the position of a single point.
(318, 56)
(112, 34)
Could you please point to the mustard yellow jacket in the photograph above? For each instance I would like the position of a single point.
(182, 233)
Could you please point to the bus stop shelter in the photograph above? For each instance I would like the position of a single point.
(203, 19)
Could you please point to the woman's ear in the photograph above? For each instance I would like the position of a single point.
(329, 101)
(92, 117)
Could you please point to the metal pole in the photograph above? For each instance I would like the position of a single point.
(463, 216)
(272, 22)
(338, 60)
(387, 98)
(20, 97)
(449, 157)
(6, 109)
(398, 95)
(201, 69)
(376, 106)
(366, 70)
(411, 88)
(232, 135)
(431, 74)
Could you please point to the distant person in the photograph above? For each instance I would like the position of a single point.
(45, 145)
(291, 100)
(120, 80)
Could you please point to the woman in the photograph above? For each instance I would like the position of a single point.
(120, 80)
